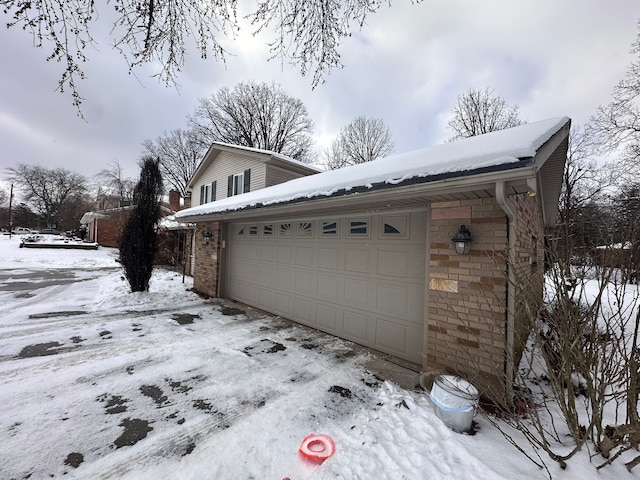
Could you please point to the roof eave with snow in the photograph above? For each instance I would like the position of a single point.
(527, 158)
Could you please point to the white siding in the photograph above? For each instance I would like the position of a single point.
(276, 175)
(226, 164)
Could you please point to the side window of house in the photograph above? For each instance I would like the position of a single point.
(239, 183)
(201, 194)
(204, 194)
(213, 190)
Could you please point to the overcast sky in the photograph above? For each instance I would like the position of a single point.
(406, 66)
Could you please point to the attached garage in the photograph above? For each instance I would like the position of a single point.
(366, 252)
(359, 277)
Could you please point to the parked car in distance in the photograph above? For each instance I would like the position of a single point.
(50, 231)
(21, 230)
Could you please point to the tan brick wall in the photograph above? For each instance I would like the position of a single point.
(466, 319)
(528, 267)
(207, 259)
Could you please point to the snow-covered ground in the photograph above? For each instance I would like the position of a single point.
(97, 382)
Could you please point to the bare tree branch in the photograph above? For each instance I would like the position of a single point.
(179, 153)
(482, 111)
(306, 33)
(256, 115)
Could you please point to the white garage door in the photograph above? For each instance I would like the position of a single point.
(361, 278)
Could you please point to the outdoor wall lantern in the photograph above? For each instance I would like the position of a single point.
(462, 241)
(206, 236)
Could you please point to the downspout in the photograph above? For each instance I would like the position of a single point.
(511, 282)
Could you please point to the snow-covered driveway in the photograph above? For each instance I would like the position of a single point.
(97, 383)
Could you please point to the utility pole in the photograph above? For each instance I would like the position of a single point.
(11, 211)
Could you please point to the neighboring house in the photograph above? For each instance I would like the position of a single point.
(105, 226)
(366, 253)
(229, 170)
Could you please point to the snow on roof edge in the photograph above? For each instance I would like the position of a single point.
(489, 152)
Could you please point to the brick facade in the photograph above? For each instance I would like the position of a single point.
(207, 259)
(466, 320)
(109, 229)
(528, 267)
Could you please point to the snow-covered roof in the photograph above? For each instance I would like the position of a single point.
(170, 223)
(495, 151)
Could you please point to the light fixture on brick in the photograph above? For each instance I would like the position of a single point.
(462, 241)
(206, 236)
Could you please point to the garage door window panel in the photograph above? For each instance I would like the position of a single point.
(394, 226)
(329, 228)
(358, 227)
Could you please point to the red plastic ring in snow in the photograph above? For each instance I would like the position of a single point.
(317, 447)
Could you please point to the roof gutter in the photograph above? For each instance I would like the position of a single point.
(501, 199)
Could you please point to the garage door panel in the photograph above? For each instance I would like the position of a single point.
(392, 336)
(251, 294)
(304, 282)
(393, 262)
(266, 253)
(251, 252)
(283, 304)
(304, 256)
(327, 318)
(284, 279)
(302, 309)
(355, 326)
(356, 291)
(267, 300)
(328, 257)
(329, 287)
(393, 299)
(285, 254)
(356, 260)
(267, 274)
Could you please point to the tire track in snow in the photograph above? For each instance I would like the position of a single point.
(44, 323)
(91, 352)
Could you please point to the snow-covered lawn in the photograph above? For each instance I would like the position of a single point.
(96, 382)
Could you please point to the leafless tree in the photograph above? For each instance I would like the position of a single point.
(585, 182)
(47, 190)
(116, 189)
(363, 140)
(4, 197)
(307, 34)
(256, 115)
(482, 111)
(179, 152)
(617, 125)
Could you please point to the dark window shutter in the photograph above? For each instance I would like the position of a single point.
(213, 191)
(247, 180)
(201, 194)
(230, 186)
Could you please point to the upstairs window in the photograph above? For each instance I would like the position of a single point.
(239, 183)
